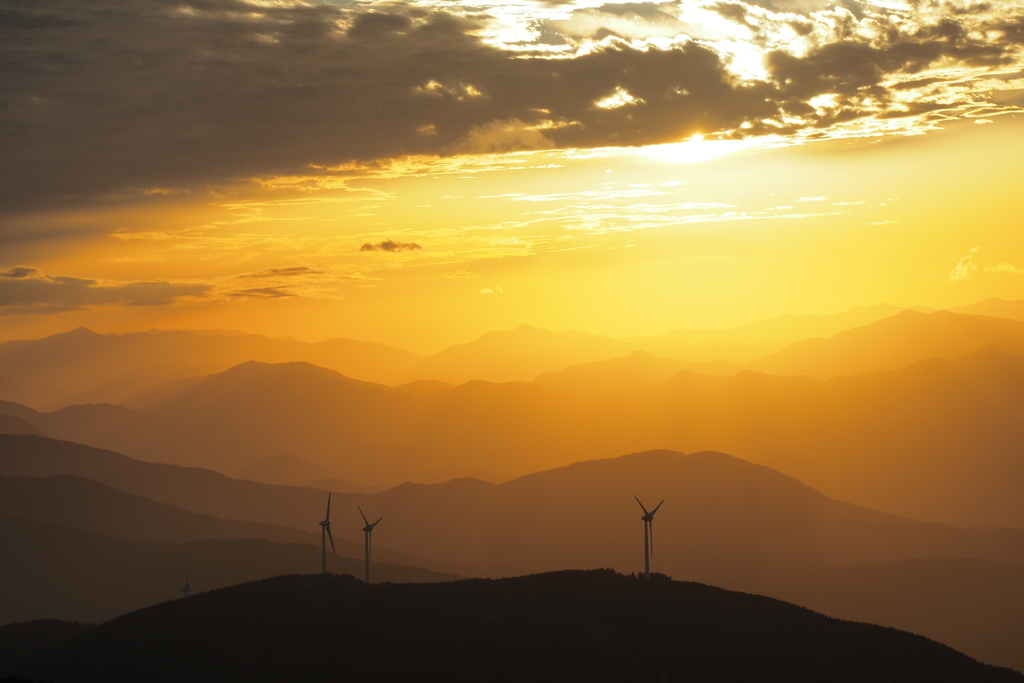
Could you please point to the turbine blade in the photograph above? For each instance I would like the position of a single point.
(650, 525)
(328, 530)
(656, 509)
(328, 517)
(365, 521)
(376, 523)
(642, 506)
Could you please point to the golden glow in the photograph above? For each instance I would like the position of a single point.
(697, 149)
(704, 233)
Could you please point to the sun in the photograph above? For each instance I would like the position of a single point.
(696, 149)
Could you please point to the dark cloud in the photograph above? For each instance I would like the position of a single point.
(107, 97)
(390, 245)
(28, 291)
(19, 272)
(293, 271)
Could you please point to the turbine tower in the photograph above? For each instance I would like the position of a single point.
(369, 530)
(325, 533)
(187, 588)
(648, 536)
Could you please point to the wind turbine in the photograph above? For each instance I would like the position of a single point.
(325, 533)
(648, 536)
(369, 530)
(187, 588)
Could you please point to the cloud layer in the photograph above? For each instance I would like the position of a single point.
(26, 290)
(108, 99)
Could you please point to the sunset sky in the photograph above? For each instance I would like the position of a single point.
(418, 173)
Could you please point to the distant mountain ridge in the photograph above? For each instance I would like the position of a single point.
(82, 366)
(936, 440)
(895, 343)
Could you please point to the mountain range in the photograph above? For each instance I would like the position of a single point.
(725, 522)
(935, 440)
(81, 366)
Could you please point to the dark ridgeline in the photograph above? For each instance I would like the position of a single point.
(565, 626)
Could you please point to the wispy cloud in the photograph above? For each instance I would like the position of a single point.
(1005, 268)
(25, 290)
(390, 246)
(290, 272)
(965, 268)
(263, 292)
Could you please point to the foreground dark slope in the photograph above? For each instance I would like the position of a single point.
(972, 605)
(593, 626)
(51, 571)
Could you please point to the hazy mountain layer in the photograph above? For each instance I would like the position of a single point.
(218, 499)
(895, 343)
(593, 626)
(88, 505)
(997, 308)
(144, 368)
(84, 367)
(291, 470)
(938, 440)
(11, 424)
(51, 571)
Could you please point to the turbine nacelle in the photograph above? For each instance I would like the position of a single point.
(648, 516)
(369, 527)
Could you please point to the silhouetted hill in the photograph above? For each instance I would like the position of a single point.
(22, 642)
(9, 424)
(725, 508)
(199, 490)
(89, 423)
(291, 470)
(972, 605)
(90, 506)
(894, 343)
(726, 522)
(593, 626)
(81, 366)
(51, 571)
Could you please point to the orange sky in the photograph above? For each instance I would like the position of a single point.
(551, 222)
